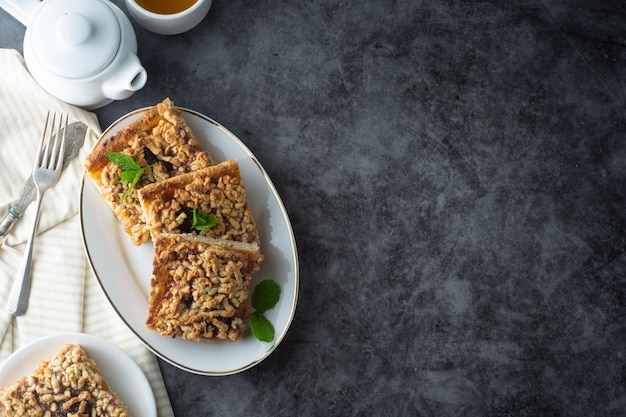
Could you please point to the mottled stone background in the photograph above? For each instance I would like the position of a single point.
(455, 175)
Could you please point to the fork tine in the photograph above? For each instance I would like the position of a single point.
(43, 144)
(51, 152)
(51, 144)
(56, 145)
(57, 155)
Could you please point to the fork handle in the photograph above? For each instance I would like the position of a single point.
(20, 292)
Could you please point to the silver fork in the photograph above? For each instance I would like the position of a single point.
(46, 171)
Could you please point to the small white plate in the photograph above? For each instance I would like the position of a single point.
(124, 271)
(118, 369)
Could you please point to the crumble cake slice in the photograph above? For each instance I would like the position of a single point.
(200, 291)
(68, 385)
(170, 206)
(201, 276)
(163, 145)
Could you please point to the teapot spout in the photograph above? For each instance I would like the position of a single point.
(128, 77)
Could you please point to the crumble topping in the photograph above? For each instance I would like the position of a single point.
(218, 190)
(199, 291)
(68, 385)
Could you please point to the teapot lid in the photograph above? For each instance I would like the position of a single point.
(75, 39)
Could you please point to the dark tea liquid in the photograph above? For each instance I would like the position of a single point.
(165, 6)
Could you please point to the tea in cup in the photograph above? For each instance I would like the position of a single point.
(168, 17)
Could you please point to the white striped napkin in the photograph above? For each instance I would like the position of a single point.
(65, 296)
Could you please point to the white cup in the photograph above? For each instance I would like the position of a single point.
(169, 24)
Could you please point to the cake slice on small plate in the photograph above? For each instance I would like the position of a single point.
(69, 384)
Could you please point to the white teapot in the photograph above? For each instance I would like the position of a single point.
(83, 52)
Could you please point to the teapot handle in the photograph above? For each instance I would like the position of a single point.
(22, 10)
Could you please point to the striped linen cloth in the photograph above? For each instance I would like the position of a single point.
(65, 295)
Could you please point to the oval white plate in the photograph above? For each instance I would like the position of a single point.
(118, 369)
(124, 271)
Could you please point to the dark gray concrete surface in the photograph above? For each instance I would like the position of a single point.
(455, 176)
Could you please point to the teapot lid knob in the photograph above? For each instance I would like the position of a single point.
(73, 28)
(75, 39)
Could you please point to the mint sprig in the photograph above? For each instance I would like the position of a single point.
(131, 170)
(202, 221)
(261, 327)
(265, 296)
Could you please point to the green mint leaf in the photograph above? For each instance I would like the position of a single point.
(123, 161)
(203, 221)
(128, 175)
(138, 175)
(261, 327)
(131, 170)
(265, 295)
